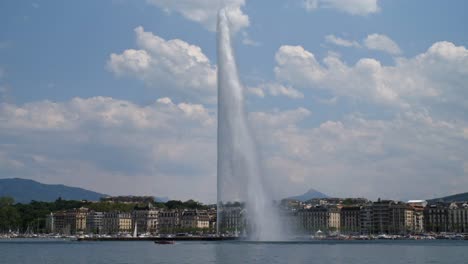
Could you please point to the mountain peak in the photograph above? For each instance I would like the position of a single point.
(310, 194)
(311, 190)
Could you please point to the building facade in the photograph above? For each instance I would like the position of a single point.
(234, 220)
(458, 217)
(169, 221)
(146, 219)
(194, 219)
(323, 218)
(436, 218)
(117, 222)
(94, 222)
(350, 220)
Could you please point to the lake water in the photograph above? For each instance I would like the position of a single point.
(146, 252)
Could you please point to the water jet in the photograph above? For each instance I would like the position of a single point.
(239, 176)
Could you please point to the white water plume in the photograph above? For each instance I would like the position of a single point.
(239, 175)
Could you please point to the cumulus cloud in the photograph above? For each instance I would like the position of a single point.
(275, 89)
(370, 157)
(353, 7)
(205, 11)
(423, 97)
(382, 43)
(169, 148)
(91, 142)
(278, 119)
(437, 76)
(166, 64)
(341, 42)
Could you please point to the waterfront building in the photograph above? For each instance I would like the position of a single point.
(418, 222)
(194, 219)
(319, 218)
(398, 218)
(334, 221)
(94, 222)
(117, 222)
(78, 220)
(313, 219)
(233, 219)
(59, 223)
(409, 219)
(146, 219)
(169, 221)
(381, 216)
(458, 217)
(418, 214)
(391, 217)
(366, 219)
(70, 222)
(436, 217)
(212, 215)
(350, 219)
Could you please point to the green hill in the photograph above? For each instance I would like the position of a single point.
(461, 197)
(23, 191)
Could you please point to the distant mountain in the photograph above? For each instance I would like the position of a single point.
(161, 199)
(310, 194)
(23, 191)
(461, 197)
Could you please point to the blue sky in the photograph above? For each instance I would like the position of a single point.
(353, 98)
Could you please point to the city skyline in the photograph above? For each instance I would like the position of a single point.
(355, 99)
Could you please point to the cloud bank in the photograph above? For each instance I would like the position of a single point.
(437, 76)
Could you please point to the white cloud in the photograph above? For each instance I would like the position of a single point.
(166, 64)
(246, 40)
(258, 91)
(341, 42)
(278, 119)
(103, 111)
(205, 11)
(353, 7)
(169, 148)
(437, 76)
(278, 89)
(423, 125)
(91, 142)
(382, 43)
(366, 157)
(130, 61)
(275, 89)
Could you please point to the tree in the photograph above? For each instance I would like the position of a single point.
(6, 201)
(9, 216)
